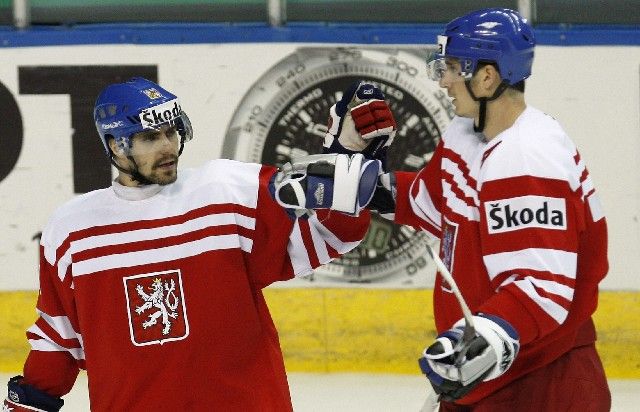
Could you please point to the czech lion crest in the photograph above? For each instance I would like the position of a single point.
(156, 307)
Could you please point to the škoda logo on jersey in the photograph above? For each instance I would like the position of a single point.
(157, 311)
(526, 212)
(154, 116)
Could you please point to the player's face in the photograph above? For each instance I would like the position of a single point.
(156, 154)
(454, 82)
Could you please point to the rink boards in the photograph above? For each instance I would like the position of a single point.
(360, 330)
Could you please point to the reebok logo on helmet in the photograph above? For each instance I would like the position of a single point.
(160, 114)
(525, 212)
(113, 125)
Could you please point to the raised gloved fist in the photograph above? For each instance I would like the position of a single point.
(372, 117)
(360, 121)
(488, 355)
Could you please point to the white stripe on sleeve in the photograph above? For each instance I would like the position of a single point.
(423, 207)
(319, 245)
(63, 265)
(329, 237)
(458, 205)
(547, 260)
(298, 253)
(552, 287)
(554, 310)
(47, 345)
(458, 177)
(62, 325)
(597, 212)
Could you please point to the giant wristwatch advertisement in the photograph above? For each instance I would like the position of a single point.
(284, 116)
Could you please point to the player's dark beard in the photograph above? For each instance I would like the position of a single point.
(161, 177)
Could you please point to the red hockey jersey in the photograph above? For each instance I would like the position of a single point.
(156, 291)
(521, 230)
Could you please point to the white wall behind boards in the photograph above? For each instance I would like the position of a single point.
(593, 91)
(595, 94)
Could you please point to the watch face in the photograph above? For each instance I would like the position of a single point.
(285, 117)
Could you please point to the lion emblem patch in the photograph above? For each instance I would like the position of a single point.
(156, 308)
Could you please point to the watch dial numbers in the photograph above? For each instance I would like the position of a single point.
(415, 141)
(377, 238)
(300, 127)
(294, 124)
(298, 130)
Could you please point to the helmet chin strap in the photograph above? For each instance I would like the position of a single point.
(483, 103)
(135, 173)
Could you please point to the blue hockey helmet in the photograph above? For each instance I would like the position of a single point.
(498, 35)
(123, 109)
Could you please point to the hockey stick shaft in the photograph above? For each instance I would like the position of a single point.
(469, 329)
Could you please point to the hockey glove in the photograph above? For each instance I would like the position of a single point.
(360, 121)
(28, 398)
(488, 355)
(327, 181)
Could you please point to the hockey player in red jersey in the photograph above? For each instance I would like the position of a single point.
(520, 228)
(154, 285)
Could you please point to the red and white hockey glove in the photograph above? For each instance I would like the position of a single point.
(488, 355)
(360, 122)
(23, 397)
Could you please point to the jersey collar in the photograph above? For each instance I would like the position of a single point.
(135, 193)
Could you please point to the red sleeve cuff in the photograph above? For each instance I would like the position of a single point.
(51, 372)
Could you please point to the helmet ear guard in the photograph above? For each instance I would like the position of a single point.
(117, 147)
(121, 145)
(120, 150)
